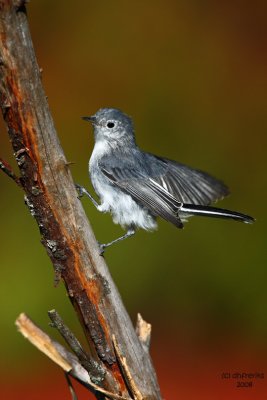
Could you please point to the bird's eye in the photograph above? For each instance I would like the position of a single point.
(110, 124)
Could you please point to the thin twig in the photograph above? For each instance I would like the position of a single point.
(6, 168)
(70, 386)
(94, 369)
(42, 341)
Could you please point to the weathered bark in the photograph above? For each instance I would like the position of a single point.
(65, 230)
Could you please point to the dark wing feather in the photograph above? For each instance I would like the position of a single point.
(189, 185)
(146, 192)
(161, 185)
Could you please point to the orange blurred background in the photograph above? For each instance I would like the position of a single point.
(193, 75)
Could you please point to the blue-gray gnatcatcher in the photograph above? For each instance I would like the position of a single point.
(137, 187)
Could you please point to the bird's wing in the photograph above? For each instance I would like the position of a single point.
(189, 185)
(145, 191)
(162, 185)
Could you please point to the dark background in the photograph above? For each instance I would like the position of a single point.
(193, 75)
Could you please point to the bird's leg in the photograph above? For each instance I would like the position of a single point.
(82, 191)
(102, 208)
(130, 232)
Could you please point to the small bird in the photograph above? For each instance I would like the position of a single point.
(136, 187)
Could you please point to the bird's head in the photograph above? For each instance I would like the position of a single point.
(112, 125)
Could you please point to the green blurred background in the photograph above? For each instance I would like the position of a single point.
(193, 75)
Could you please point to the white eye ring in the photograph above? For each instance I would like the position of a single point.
(110, 124)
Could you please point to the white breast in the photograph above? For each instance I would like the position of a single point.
(101, 148)
(125, 211)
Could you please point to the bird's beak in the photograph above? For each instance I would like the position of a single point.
(91, 119)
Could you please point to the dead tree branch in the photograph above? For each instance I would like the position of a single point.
(59, 355)
(65, 231)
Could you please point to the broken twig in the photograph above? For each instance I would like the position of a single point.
(6, 168)
(95, 370)
(57, 353)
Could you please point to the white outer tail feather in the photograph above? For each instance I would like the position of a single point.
(206, 211)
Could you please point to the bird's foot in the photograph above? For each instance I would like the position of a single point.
(80, 190)
(102, 247)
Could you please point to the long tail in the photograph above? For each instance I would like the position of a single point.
(207, 211)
